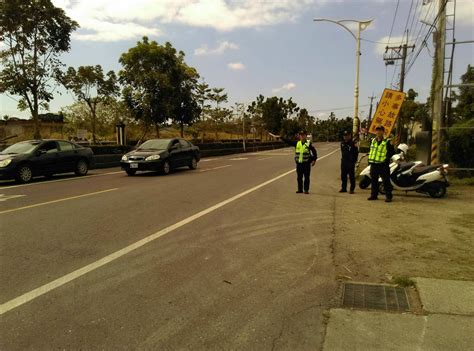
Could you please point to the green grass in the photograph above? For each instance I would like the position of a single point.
(468, 181)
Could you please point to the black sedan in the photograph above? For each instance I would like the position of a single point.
(27, 159)
(161, 155)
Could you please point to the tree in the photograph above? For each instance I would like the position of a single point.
(217, 114)
(270, 113)
(305, 121)
(90, 85)
(158, 85)
(35, 33)
(465, 99)
(202, 96)
(78, 116)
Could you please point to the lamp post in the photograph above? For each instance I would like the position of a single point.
(361, 25)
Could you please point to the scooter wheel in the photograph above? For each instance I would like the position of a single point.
(437, 191)
(364, 182)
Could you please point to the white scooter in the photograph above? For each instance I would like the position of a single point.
(365, 179)
(412, 176)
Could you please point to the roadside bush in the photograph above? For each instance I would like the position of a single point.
(110, 149)
(461, 144)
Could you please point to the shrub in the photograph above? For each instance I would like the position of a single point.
(461, 144)
(110, 149)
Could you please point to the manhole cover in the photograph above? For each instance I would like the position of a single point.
(375, 297)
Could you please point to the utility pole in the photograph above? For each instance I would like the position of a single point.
(398, 53)
(437, 85)
(370, 110)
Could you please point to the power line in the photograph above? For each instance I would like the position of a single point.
(393, 22)
(414, 15)
(422, 24)
(408, 19)
(336, 109)
(432, 28)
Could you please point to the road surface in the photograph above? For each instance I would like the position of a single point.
(224, 257)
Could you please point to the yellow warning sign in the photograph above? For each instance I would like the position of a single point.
(387, 111)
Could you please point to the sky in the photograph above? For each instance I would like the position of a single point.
(269, 47)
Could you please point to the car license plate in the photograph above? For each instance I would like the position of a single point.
(133, 165)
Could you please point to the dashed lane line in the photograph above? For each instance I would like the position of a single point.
(56, 201)
(44, 289)
(213, 169)
(59, 180)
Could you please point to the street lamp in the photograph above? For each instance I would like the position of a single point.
(361, 25)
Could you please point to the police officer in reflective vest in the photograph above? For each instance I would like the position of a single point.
(305, 158)
(381, 150)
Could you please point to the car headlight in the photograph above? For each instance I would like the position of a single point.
(124, 158)
(6, 162)
(152, 158)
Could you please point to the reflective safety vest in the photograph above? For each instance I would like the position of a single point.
(378, 152)
(302, 153)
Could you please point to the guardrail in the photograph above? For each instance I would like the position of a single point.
(113, 160)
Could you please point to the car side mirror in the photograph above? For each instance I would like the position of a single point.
(174, 147)
(40, 152)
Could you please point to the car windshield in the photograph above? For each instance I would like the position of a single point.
(156, 144)
(21, 148)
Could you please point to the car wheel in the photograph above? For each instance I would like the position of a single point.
(364, 182)
(166, 168)
(131, 172)
(81, 168)
(194, 163)
(24, 174)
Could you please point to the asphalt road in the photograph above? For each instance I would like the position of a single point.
(224, 257)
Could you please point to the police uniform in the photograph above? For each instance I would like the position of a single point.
(349, 154)
(305, 155)
(379, 159)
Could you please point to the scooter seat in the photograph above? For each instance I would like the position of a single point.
(418, 171)
(405, 166)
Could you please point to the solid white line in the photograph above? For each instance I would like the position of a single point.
(212, 169)
(209, 159)
(55, 201)
(35, 293)
(265, 158)
(59, 180)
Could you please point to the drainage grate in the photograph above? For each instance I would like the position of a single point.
(375, 297)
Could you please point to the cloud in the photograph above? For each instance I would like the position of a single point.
(219, 50)
(394, 41)
(287, 87)
(113, 20)
(236, 66)
(108, 32)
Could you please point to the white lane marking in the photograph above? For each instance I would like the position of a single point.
(4, 197)
(55, 201)
(209, 159)
(60, 180)
(35, 293)
(265, 158)
(212, 169)
(238, 159)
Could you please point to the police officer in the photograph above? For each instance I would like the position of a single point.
(305, 158)
(381, 150)
(349, 154)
